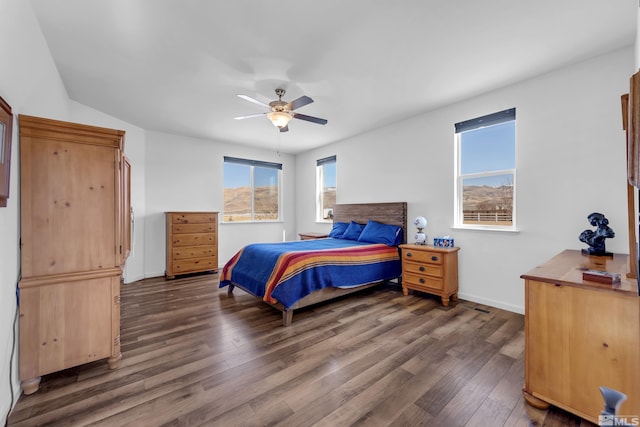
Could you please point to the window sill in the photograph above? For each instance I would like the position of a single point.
(252, 222)
(484, 228)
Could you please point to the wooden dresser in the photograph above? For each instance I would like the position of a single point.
(581, 335)
(430, 269)
(74, 198)
(192, 242)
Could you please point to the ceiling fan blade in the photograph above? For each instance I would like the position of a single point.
(255, 101)
(300, 102)
(249, 116)
(310, 118)
(284, 129)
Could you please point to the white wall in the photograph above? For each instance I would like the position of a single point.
(570, 162)
(185, 174)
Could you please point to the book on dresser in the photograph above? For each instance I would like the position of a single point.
(192, 242)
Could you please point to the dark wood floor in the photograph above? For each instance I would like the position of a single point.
(193, 356)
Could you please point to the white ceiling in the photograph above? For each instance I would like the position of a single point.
(176, 66)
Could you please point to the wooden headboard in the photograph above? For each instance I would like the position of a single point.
(394, 213)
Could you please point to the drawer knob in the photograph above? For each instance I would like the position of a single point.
(422, 268)
(421, 280)
(409, 254)
(434, 258)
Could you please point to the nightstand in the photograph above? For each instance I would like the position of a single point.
(430, 269)
(312, 235)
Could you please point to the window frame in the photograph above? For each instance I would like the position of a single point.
(494, 119)
(320, 163)
(252, 165)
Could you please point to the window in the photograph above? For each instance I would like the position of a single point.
(326, 188)
(486, 174)
(251, 190)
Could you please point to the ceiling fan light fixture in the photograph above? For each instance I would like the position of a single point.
(281, 112)
(279, 119)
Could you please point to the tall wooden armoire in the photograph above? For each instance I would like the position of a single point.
(74, 195)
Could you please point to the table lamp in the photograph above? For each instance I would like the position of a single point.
(420, 222)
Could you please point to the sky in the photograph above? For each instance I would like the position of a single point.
(238, 175)
(488, 149)
(330, 174)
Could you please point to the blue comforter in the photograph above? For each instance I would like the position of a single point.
(288, 271)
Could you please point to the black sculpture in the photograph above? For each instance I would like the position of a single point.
(595, 239)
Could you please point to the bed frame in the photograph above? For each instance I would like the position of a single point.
(394, 213)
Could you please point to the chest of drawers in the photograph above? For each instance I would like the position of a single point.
(430, 269)
(581, 335)
(192, 242)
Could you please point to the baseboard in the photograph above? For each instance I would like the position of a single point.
(133, 279)
(493, 303)
(142, 277)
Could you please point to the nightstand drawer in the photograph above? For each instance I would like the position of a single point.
(418, 281)
(423, 269)
(422, 256)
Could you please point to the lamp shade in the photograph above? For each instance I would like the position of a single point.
(420, 222)
(279, 118)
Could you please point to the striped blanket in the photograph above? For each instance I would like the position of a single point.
(287, 272)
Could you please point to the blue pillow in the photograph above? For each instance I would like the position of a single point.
(338, 229)
(377, 232)
(353, 231)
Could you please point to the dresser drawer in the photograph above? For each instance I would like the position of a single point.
(194, 228)
(193, 218)
(187, 252)
(194, 239)
(416, 281)
(189, 265)
(422, 256)
(423, 269)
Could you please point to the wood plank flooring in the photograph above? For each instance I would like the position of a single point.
(193, 356)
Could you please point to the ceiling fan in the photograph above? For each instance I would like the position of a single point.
(281, 112)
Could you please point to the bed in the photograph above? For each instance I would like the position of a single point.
(293, 275)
